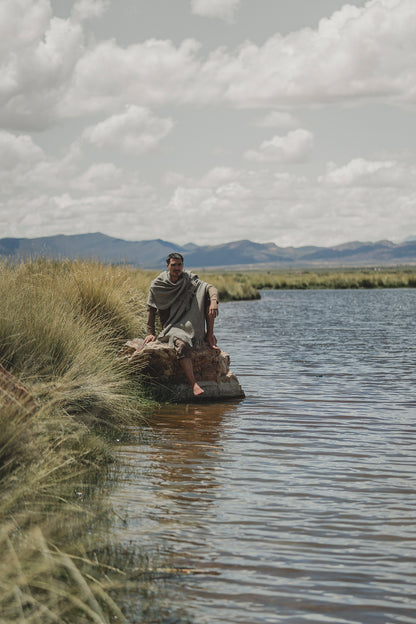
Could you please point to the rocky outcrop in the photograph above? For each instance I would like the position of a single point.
(158, 364)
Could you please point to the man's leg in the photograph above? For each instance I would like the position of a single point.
(188, 369)
(183, 353)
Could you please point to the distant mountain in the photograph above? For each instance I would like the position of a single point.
(151, 254)
(99, 246)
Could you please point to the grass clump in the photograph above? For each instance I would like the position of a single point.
(68, 398)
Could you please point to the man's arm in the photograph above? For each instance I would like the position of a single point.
(151, 325)
(213, 305)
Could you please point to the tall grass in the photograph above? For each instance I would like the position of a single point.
(61, 327)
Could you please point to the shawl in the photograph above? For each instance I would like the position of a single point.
(185, 300)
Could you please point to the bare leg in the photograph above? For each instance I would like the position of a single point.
(188, 369)
(209, 337)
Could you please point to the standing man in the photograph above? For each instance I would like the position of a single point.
(185, 304)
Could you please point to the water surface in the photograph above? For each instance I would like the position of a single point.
(296, 504)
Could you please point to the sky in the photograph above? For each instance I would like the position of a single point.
(209, 121)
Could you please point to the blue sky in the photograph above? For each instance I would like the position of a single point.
(209, 121)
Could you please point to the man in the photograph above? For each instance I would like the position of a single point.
(184, 303)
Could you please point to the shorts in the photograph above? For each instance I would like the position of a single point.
(182, 349)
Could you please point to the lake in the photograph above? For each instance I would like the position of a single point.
(296, 504)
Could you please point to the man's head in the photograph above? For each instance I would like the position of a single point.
(174, 263)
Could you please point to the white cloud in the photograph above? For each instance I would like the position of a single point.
(291, 210)
(296, 146)
(98, 176)
(38, 54)
(18, 151)
(49, 72)
(87, 9)
(278, 119)
(135, 131)
(151, 73)
(360, 172)
(55, 69)
(223, 9)
(22, 22)
(45, 197)
(366, 52)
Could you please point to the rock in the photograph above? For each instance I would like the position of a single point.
(158, 363)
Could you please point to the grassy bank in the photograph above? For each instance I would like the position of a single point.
(61, 326)
(245, 285)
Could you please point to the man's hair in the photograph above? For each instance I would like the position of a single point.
(174, 256)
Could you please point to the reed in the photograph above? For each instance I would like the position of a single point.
(61, 326)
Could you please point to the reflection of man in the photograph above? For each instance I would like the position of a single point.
(184, 303)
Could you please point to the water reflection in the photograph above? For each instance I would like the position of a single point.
(296, 504)
(180, 461)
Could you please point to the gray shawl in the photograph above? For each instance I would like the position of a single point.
(186, 301)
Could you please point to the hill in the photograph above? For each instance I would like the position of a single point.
(151, 254)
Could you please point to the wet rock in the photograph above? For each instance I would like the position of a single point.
(157, 362)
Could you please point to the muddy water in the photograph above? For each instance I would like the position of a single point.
(298, 503)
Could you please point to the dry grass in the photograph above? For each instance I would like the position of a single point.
(61, 326)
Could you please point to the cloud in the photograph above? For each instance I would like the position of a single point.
(223, 9)
(38, 53)
(98, 176)
(44, 196)
(54, 70)
(357, 53)
(51, 72)
(278, 119)
(61, 196)
(294, 147)
(87, 9)
(155, 72)
(18, 151)
(290, 209)
(360, 172)
(135, 131)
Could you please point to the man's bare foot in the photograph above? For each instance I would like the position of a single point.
(197, 390)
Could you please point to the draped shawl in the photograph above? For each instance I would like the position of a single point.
(185, 300)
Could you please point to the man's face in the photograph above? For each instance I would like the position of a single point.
(175, 268)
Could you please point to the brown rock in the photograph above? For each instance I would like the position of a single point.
(158, 362)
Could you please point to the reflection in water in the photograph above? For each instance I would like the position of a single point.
(296, 504)
(179, 461)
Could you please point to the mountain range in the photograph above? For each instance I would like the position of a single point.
(151, 254)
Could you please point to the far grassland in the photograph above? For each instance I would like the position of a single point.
(62, 324)
(236, 285)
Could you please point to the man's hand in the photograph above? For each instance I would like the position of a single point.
(149, 338)
(213, 308)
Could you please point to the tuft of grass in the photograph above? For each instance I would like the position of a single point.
(61, 327)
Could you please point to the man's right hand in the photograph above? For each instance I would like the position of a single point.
(149, 338)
